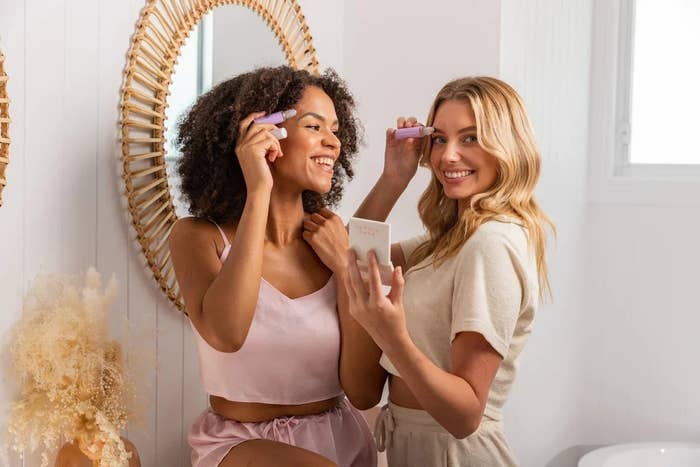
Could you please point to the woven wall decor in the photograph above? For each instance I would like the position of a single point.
(160, 33)
(4, 126)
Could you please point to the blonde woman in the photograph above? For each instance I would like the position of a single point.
(449, 333)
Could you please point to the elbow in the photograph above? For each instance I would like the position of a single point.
(467, 427)
(363, 401)
(235, 339)
(222, 341)
(462, 433)
(225, 344)
(228, 347)
(224, 335)
(361, 396)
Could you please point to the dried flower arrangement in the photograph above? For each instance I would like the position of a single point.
(73, 384)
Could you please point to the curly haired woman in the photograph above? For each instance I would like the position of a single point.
(257, 271)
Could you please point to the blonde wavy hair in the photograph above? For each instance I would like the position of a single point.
(504, 131)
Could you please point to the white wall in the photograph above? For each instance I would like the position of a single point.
(641, 374)
(545, 54)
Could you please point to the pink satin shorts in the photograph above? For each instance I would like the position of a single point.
(341, 434)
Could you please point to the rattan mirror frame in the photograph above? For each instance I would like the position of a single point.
(160, 33)
(4, 126)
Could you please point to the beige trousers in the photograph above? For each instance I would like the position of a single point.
(412, 438)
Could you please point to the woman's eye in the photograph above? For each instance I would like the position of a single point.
(315, 127)
(438, 140)
(470, 139)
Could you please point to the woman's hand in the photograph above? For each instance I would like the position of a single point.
(381, 315)
(254, 147)
(401, 156)
(327, 235)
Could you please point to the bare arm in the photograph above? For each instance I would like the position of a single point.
(361, 376)
(455, 399)
(400, 164)
(221, 300)
(381, 199)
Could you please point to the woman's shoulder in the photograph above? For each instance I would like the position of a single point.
(191, 226)
(192, 229)
(500, 230)
(497, 238)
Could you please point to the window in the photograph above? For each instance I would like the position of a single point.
(658, 94)
(642, 123)
(192, 76)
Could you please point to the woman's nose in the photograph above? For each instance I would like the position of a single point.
(450, 154)
(331, 139)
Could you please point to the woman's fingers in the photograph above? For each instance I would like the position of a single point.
(397, 282)
(271, 144)
(317, 218)
(375, 281)
(259, 132)
(326, 213)
(403, 122)
(245, 123)
(310, 226)
(354, 276)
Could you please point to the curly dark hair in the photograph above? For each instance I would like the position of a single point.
(212, 182)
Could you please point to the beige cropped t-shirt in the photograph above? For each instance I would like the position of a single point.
(490, 286)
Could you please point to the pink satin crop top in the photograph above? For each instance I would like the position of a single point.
(290, 355)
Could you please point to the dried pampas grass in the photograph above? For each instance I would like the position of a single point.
(73, 384)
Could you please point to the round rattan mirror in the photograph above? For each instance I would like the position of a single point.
(161, 33)
(4, 126)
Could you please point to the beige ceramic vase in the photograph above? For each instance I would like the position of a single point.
(71, 455)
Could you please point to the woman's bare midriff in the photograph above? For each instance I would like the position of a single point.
(401, 395)
(255, 412)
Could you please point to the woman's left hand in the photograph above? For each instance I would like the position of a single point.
(381, 315)
(326, 234)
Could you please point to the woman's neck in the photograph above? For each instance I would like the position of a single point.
(285, 218)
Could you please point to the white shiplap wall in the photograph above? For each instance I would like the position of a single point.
(63, 207)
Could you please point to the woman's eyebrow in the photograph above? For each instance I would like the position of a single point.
(316, 116)
(465, 129)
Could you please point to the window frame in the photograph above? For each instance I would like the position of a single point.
(613, 179)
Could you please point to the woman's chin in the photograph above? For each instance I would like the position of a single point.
(322, 188)
(450, 192)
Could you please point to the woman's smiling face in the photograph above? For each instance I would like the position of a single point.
(460, 164)
(312, 146)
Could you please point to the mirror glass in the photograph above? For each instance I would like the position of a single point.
(229, 40)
